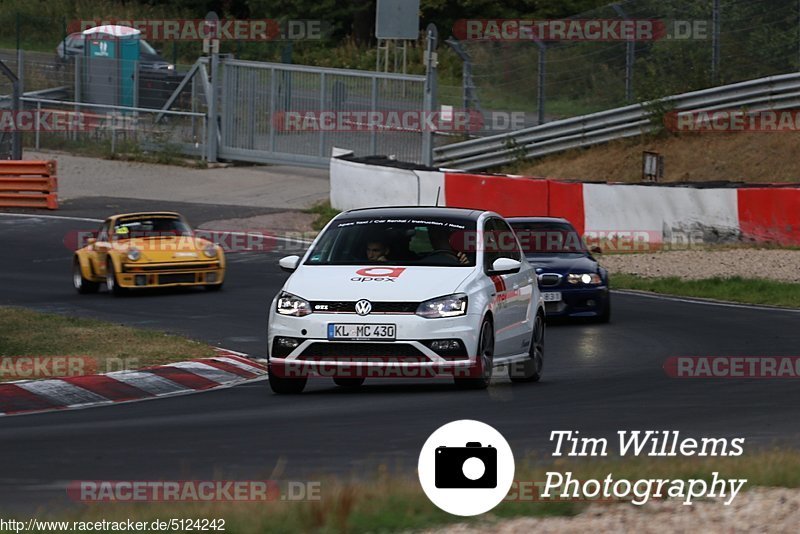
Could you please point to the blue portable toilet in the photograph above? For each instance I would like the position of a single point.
(111, 60)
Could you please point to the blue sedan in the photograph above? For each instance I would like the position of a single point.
(572, 282)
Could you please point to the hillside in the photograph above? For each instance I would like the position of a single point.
(749, 157)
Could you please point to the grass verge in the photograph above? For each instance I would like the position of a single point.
(324, 213)
(734, 289)
(106, 346)
(389, 503)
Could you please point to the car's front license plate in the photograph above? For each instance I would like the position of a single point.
(342, 331)
(551, 296)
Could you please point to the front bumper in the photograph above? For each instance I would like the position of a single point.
(577, 301)
(408, 355)
(170, 275)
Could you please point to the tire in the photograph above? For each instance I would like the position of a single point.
(531, 369)
(348, 382)
(605, 315)
(111, 281)
(286, 386)
(81, 284)
(486, 361)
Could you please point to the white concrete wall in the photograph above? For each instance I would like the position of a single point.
(357, 185)
(659, 210)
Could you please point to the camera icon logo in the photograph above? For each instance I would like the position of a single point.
(463, 476)
(472, 466)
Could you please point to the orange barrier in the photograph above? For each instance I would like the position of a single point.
(28, 184)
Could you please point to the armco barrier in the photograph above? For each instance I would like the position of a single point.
(663, 214)
(28, 184)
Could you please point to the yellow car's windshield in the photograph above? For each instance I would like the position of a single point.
(150, 227)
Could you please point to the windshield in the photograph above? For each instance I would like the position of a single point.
(396, 241)
(145, 48)
(548, 238)
(161, 226)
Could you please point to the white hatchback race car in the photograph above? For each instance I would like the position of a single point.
(407, 292)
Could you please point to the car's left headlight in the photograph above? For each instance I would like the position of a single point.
(584, 278)
(210, 251)
(134, 254)
(449, 306)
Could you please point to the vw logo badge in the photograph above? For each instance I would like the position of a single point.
(363, 307)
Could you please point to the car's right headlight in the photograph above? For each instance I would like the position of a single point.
(449, 306)
(134, 254)
(293, 305)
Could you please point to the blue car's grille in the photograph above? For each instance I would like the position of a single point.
(549, 279)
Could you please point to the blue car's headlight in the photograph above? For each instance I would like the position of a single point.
(585, 278)
(449, 306)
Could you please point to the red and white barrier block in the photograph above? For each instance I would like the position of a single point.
(654, 215)
(226, 369)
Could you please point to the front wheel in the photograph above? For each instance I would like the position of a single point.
(286, 386)
(111, 281)
(485, 360)
(605, 315)
(531, 369)
(81, 284)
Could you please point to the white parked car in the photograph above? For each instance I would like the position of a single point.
(407, 291)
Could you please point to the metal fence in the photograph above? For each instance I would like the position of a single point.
(772, 92)
(114, 129)
(253, 101)
(711, 42)
(260, 100)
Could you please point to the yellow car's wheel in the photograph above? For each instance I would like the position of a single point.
(81, 284)
(111, 281)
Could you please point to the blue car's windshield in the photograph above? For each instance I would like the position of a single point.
(548, 238)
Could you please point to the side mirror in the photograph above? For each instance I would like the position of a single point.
(505, 266)
(289, 263)
(596, 250)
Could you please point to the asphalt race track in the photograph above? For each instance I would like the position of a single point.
(598, 379)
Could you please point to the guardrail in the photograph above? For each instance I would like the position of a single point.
(28, 184)
(773, 92)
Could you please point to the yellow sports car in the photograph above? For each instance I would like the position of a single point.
(140, 250)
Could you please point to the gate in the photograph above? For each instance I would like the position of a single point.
(271, 113)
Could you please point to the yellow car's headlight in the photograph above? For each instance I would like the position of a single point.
(134, 254)
(210, 251)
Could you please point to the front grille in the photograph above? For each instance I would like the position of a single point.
(187, 266)
(377, 307)
(363, 352)
(177, 278)
(549, 279)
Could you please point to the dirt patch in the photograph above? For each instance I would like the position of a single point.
(774, 264)
(751, 157)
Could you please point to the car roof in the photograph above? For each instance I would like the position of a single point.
(513, 220)
(414, 211)
(147, 214)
